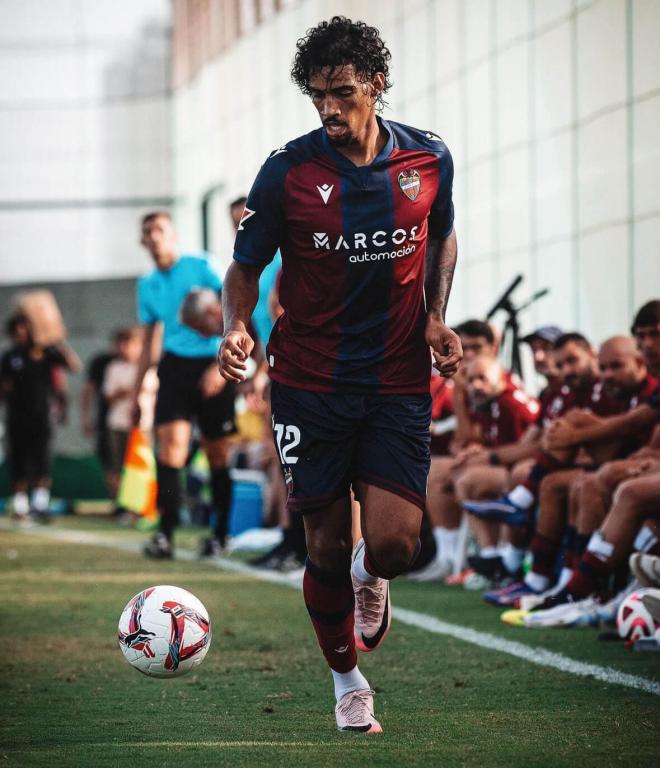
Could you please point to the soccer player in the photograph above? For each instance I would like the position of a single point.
(190, 385)
(357, 208)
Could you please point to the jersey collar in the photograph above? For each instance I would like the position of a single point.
(340, 159)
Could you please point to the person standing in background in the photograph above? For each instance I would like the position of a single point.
(27, 372)
(190, 386)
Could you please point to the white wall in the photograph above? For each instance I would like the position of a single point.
(85, 125)
(551, 109)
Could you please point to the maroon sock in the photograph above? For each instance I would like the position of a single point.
(544, 464)
(330, 603)
(544, 554)
(587, 575)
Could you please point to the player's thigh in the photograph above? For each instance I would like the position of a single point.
(178, 389)
(314, 435)
(173, 438)
(482, 482)
(393, 447)
(390, 523)
(216, 416)
(520, 471)
(642, 493)
(440, 472)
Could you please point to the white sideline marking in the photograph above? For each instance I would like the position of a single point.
(534, 655)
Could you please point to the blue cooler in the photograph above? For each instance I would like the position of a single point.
(247, 500)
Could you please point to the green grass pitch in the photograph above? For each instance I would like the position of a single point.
(263, 696)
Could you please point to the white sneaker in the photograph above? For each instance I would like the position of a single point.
(645, 568)
(529, 602)
(373, 610)
(582, 613)
(437, 570)
(355, 712)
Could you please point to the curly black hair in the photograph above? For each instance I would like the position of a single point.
(338, 42)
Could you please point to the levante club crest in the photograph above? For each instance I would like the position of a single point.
(410, 183)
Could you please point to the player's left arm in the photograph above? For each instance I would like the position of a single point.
(441, 258)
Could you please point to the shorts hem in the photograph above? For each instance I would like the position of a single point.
(313, 502)
(395, 488)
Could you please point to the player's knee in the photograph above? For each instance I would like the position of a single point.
(392, 555)
(328, 553)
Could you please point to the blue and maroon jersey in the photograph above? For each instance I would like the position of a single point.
(353, 243)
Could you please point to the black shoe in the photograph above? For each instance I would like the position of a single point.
(159, 548)
(41, 516)
(211, 547)
(552, 601)
(490, 567)
(273, 557)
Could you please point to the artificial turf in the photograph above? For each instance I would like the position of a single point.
(263, 696)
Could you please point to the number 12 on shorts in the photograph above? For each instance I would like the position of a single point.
(287, 437)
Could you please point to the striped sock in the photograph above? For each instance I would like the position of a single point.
(330, 603)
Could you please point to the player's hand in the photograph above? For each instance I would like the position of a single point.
(472, 455)
(211, 383)
(233, 354)
(560, 434)
(445, 345)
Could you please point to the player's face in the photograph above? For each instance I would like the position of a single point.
(345, 103)
(21, 334)
(544, 359)
(130, 349)
(576, 365)
(648, 343)
(477, 346)
(159, 238)
(483, 379)
(620, 370)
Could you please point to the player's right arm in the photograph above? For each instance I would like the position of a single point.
(562, 434)
(258, 238)
(239, 298)
(151, 349)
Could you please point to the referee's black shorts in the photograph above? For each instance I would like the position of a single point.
(180, 397)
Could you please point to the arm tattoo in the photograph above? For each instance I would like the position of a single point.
(440, 263)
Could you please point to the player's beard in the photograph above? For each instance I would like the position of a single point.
(341, 141)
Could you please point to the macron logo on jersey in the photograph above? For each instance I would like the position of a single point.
(325, 190)
(247, 213)
(321, 240)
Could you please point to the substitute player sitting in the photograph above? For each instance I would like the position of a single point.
(357, 207)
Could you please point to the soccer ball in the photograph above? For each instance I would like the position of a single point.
(633, 619)
(164, 631)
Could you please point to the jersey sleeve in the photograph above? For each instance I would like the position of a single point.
(145, 312)
(261, 229)
(441, 217)
(55, 357)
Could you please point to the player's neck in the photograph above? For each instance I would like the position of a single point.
(367, 145)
